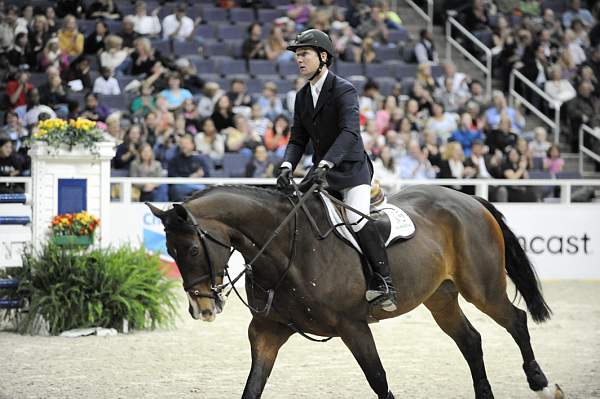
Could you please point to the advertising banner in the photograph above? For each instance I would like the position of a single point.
(562, 241)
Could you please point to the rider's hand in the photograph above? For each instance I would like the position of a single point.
(320, 172)
(283, 178)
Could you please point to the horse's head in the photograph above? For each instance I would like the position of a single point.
(201, 256)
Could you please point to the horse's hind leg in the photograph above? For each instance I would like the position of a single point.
(444, 307)
(514, 320)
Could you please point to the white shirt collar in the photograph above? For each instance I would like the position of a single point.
(318, 85)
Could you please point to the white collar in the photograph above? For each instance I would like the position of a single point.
(318, 85)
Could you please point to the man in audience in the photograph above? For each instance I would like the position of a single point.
(187, 163)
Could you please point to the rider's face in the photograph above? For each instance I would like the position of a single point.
(308, 61)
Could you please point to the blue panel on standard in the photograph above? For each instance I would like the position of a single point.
(72, 195)
(13, 220)
(13, 198)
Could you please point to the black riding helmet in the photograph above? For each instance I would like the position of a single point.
(318, 40)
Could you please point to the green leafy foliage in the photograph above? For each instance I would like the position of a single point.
(70, 289)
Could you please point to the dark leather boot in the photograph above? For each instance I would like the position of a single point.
(380, 290)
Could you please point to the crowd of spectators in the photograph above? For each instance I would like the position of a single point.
(182, 121)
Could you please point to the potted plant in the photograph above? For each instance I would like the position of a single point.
(59, 133)
(74, 229)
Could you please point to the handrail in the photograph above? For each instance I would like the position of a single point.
(512, 93)
(583, 150)
(427, 16)
(19, 179)
(451, 42)
(481, 185)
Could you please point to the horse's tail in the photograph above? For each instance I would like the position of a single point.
(519, 268)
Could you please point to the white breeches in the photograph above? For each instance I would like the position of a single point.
(359, 198)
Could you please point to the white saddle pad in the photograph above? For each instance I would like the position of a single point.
(401, 225)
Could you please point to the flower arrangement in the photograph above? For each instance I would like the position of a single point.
(74, 224)
(57, 132)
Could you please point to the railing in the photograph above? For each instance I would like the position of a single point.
(481, 185)
(451, 42)
(583, 150)
(426, 15)
(20, 179)
(512, 94)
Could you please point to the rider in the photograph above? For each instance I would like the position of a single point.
(326, 112)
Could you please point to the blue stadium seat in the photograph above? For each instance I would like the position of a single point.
(386, 85)
(288, 68)
(539, 174)
(185, 48)
(262, 68)
(230, 32)
(234, 164)
(398, 36)
(232, 67)
(204, 66)
(38, 78)
(214, 14)
(378, 70)
(234, 48)
(241, 15)
(358, 82)
(206, 31)
(113, 26)
(386, 54)
(402, 71)
(115, 103)
(86, 26)
(408, 53)
(437, 71)
(538, 163)
(407, 84)
(163, 46)
(215, 49)
(283, 85)
(346, 69)
(269, 15)
(569, 175)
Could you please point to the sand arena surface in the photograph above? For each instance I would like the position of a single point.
(211, 360)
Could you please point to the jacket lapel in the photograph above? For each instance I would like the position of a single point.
(325, 91)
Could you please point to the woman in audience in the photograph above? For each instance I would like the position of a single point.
(278, 136)
(368, 54)
(259, 165)
(222, 115)
(128, 149)
(145, 165)
(452, 167)
(502, 137)
(275, 46)
(253, 46)
(440, 122)
(94, 42)
(384, 166)
(39, 35)
(425, 78)
(210, 142)
(70, 40)
(515, 168)
(143, 57)
(175, 95)
(114, 56)
(553, 162)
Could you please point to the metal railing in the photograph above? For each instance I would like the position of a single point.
(583, 150)
(486, 68)
(512, 94)
(481, 185)
(426, 15)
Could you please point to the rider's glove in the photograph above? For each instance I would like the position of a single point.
(283, 178)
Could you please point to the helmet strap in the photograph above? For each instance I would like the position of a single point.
(319, 69)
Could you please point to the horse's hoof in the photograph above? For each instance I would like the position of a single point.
(547, 393)
(483, 390)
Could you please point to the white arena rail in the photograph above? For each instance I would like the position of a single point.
(583, 150)
(426, 15)
(481, 185)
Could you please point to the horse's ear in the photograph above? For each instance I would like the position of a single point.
(181, 211)
(155, 211)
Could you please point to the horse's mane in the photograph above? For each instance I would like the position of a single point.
(261, 192)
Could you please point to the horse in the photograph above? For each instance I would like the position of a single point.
(301, 283)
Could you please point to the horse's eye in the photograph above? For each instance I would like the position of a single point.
(194, 251)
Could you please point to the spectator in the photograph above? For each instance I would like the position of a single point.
(187, 163)
(14, 130)
(106, 84)
(299, 11)
(465, 134)
(93, 110)
(368, 102)
(189, 112)
(581, 34)
(576, 12)
(392, 19)
(485, 167)
(538, 147)
(445, 95)
(324, 15)
(10, 27)
(240, 137)
(144, 24)
(51, 18)
(78, 75)
(500, 107)
(452, 167)
(178, 26)
(53, 56)
(374, 26)
(583, 109)
(425, 50)
(190, 79)
(368, 55)
(10, 165)
(144, 57)
(269, 102)
(275, 46)
(208, 98)
(290, 96)
(278, 136)
(384, 167)
(258, 122)
(260, 165)
(559, 89)
(20, 55)
(128, 150)
(553, 163)
(66, 7)
(106, 9)
(348, 45)
(209, 141)
(415, 164)
(127, 33)
(239, 97)
(594, 61)
(113, 126)
(145, 165)
(165, 149)
(17, 90)
(253, 47)
(222, 115)
(54, 94)
(39, 35)
(383, 117)
(94, 42)
(441, 122)
(515, 168)
(175, 95)
(502, 137)
(70, 40)
(114, 56)
(476, 17)
(523, 148)
(571, 45)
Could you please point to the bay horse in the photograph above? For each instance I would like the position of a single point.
(462, 246)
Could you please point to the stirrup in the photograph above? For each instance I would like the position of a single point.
(384, 295)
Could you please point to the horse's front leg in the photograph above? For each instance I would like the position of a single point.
(358, 338)
(266, 337)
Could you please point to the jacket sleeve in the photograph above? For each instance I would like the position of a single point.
(348, 124)
(299, 137)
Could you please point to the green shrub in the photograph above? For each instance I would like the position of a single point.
(70, 289)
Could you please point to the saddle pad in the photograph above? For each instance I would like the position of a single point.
(400, 224)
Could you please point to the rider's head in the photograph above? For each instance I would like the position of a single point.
(314, 51)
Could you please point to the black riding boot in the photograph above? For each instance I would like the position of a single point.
(380, 290)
